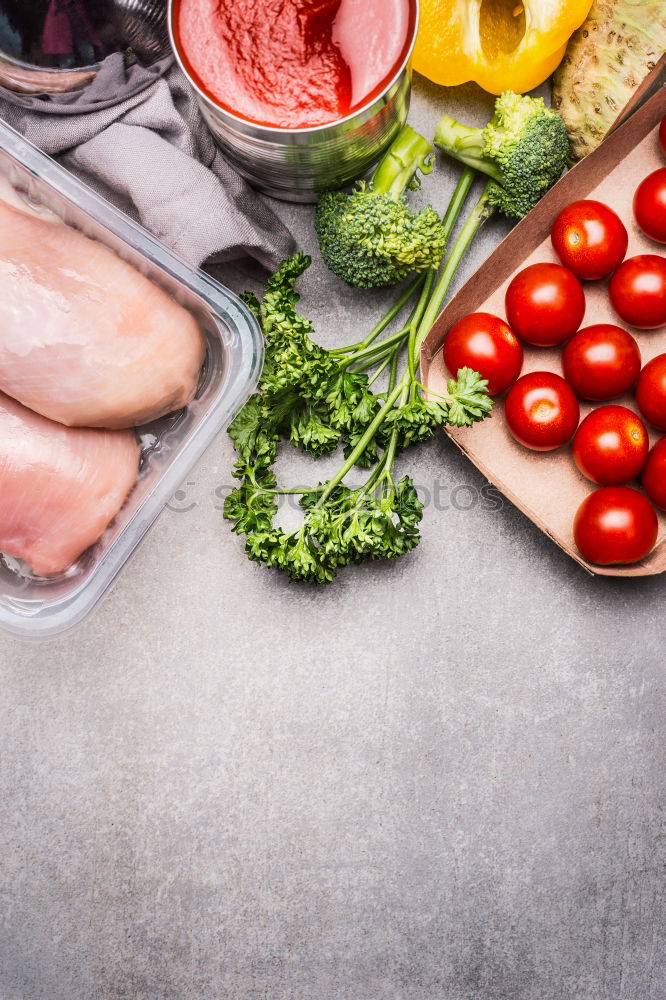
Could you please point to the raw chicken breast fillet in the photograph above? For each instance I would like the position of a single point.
(59, 486)
(85, 339)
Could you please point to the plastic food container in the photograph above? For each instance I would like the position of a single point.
(41, 607)
(298, 164)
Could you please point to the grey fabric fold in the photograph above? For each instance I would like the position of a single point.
(151, 154)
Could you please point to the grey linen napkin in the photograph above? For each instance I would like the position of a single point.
(149, 152)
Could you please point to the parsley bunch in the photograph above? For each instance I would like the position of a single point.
(320, 400)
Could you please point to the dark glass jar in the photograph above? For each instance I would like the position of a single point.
(58, 34)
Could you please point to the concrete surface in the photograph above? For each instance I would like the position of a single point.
(439, 779)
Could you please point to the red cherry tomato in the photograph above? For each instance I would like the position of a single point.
(650, 205)
(662, 135)
(590, 239)
(615, 525)
(611, 445)
(601, 361)
(542, 411)
(654, 475)
(485, 344)
(651, 392)
(638, 291)
(545, 304)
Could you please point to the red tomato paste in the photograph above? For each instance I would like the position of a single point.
(292, 63)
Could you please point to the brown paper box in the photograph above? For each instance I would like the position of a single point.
(548, 487)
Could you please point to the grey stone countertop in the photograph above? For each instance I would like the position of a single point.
(437, 779)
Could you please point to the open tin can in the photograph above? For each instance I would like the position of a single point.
(297, 164)
(42, 607)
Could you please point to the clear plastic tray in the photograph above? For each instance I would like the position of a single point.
(34, 607)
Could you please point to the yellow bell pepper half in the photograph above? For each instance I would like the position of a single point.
(500, 44)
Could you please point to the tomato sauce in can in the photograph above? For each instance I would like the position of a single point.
(292, 63)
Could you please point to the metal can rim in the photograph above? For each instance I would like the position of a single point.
(10, 60)
(274, 131)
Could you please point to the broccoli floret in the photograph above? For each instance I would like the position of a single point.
(371, 238)
(524, 148)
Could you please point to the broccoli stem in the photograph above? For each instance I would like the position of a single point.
(397, 170)
(465, 144)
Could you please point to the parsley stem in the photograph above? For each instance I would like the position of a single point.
(364, 441)
(395, 309)
(379, 349)
(462, 189)
(458, 198)
(386, 319)
(390, 359)
(388, 458)
(377, 474)
(416, 319)
(481, 211)
(394, 370)
(295, 492)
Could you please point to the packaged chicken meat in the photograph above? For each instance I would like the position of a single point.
(136, 357)
(85, 338)
(60, 487)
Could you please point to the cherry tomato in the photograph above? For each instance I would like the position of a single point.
(662, 135)
(542, 411)
(601, 361)
(651, 392)
(650, 205)
(638, 291)
(615, 525)
(611, 445)
(545, 304)
(654, 475)
(590, 239)
(485, 344)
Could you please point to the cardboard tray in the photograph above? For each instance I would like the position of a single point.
(548, 487)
